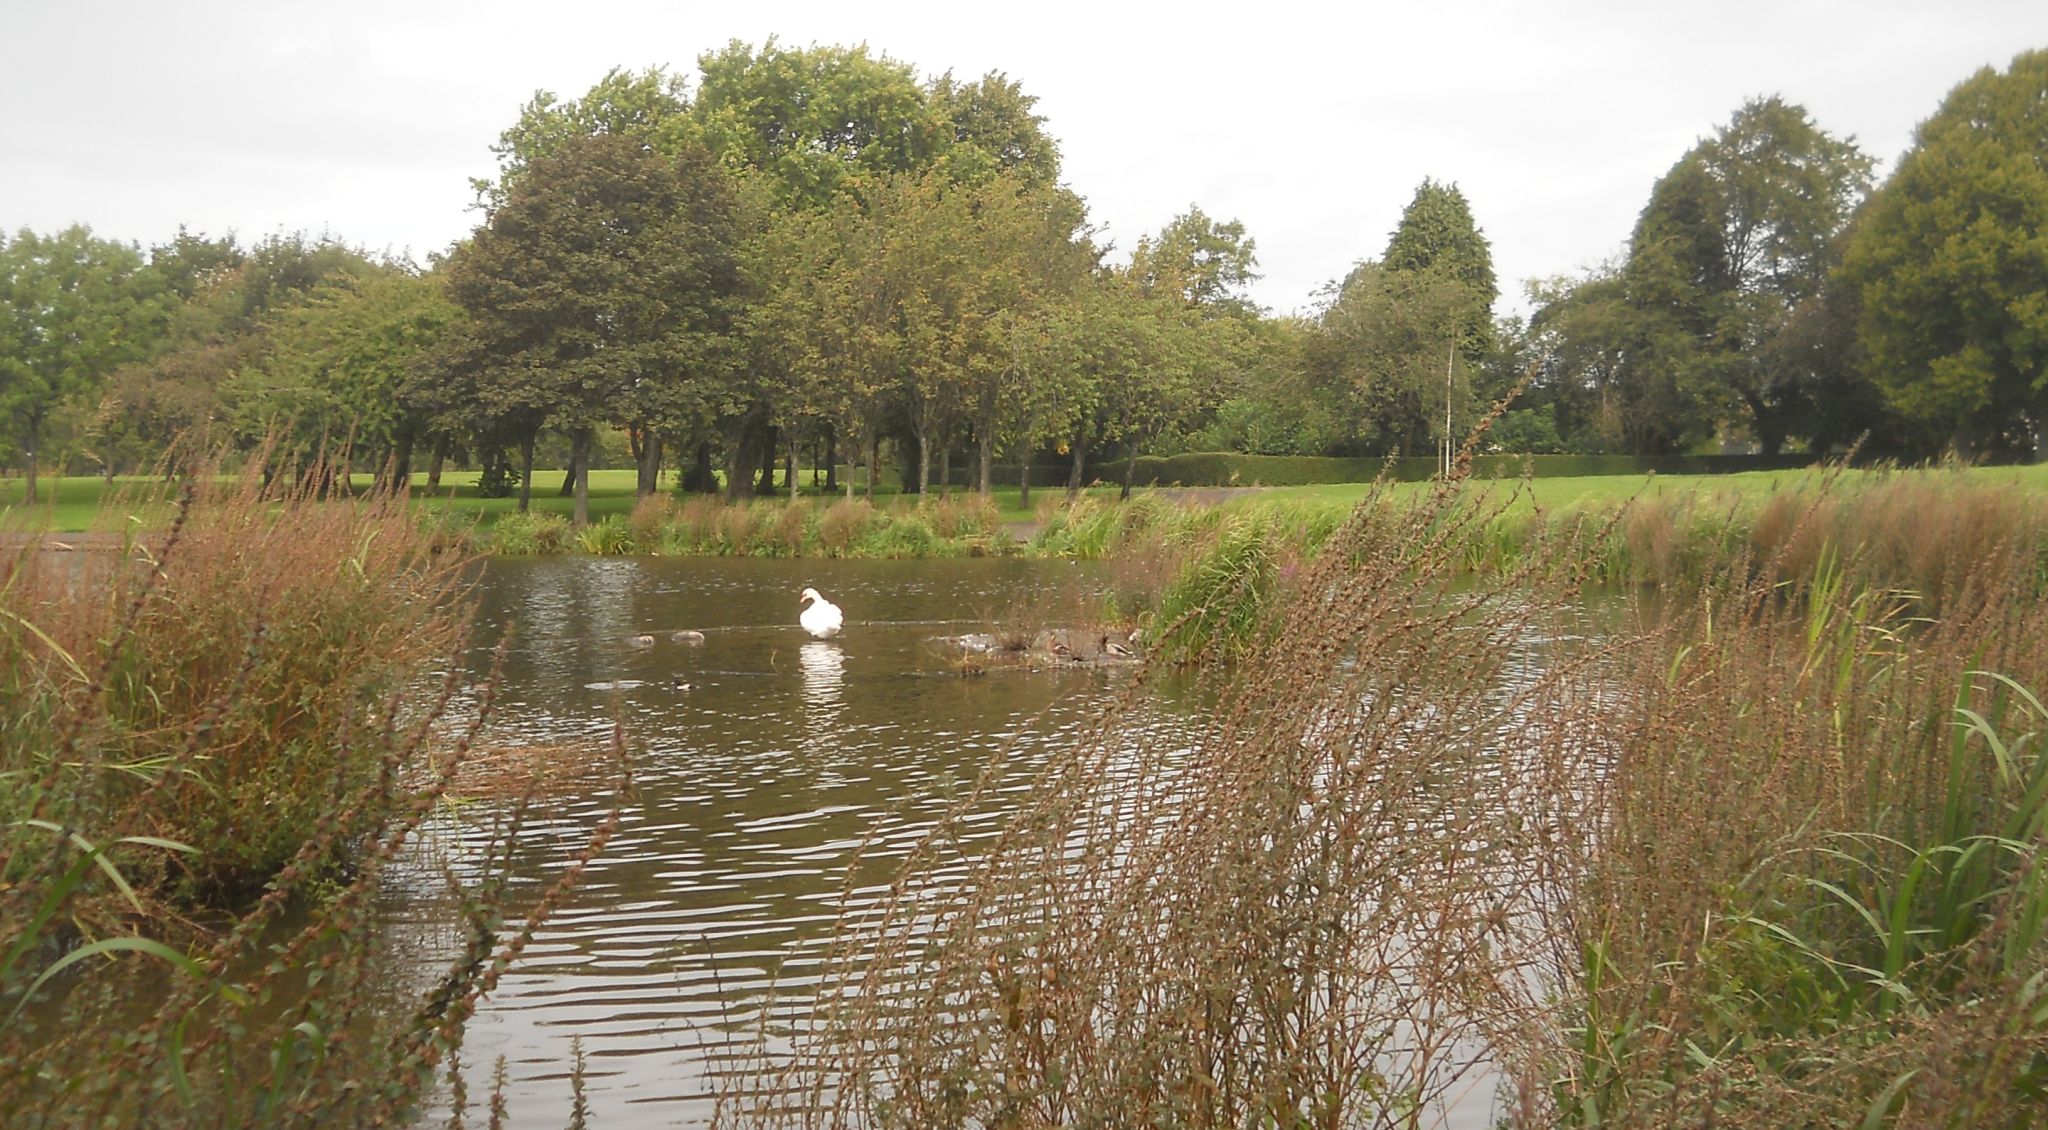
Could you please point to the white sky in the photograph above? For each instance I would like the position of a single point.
(1311, 123)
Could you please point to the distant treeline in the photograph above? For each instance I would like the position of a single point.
(812, 256)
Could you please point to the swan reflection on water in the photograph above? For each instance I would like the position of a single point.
(824, 672)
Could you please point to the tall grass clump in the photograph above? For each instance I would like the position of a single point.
(214, 744)
(533, 532)
(1220, 599)
(1807, 888)
(609, 537)
(1297, 919)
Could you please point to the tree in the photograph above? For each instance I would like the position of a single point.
(649, 105)
(72, 308)
(350, 373)
(1204, 263)
(1394, 344)
(812, 118)
(1437, 233)
(990, 128)
(1949, 265)
(1402, 336)
(1736, 236)
(607, 275)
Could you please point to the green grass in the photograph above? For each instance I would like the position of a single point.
(72, 504)
(1606, 490)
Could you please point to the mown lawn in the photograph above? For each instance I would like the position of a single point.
(1606, 490)
(74, 504)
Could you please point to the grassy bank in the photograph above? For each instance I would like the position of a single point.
(214, 743)
(1763, 848)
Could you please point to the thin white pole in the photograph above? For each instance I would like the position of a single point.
(1450, 359)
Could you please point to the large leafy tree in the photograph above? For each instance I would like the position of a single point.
(350, 374)
(221, 304)
(604, 282)
(1402, 335)
(651, 105)
(1437, 235)
(1205, 263)
(73, 307)
(812, 118)
(1741, 232)
(989, 127)
(1949, 266)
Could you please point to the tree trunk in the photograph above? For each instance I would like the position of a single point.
(526, 471)
(832, 460)
(700, 479)
(744, 455)
(29, 452)
(1130, 471)
(945, 470)
(771, 440)
(401, 464)
(579, 474)
(924, 464)
(1074, 475)
(1770, 435)
(434, 466)
(649, 462)
(1024, 486)
(984, 474)
(568, 475)
(874, 460)
(789, 464)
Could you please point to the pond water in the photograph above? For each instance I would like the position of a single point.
(753, 789)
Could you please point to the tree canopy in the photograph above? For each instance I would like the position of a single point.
(1949, 267)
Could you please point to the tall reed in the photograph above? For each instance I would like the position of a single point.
(217, 743)
(1290, 922)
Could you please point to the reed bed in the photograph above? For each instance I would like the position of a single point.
(1758, 844)
(1288, 923)
(216, 744)
(660, 525)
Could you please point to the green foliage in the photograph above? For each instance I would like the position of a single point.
(1526, 431)
(352, 365)
(72, 308)
(611, 536)
(1200, 261)
(530, 532)
(650, 106)
(812, 118)
(1948, 269)
(1219, 604)
(601, 291)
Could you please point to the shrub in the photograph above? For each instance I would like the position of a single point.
(612, 535)
(844, 525)
(533, 532)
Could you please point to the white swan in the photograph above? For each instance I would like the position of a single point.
(823, 618)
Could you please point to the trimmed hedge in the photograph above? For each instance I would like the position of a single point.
(1222, 468)
(1227, 468)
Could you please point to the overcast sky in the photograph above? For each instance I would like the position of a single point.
(1310, 123)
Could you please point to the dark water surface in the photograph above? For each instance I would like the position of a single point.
(754, 788)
